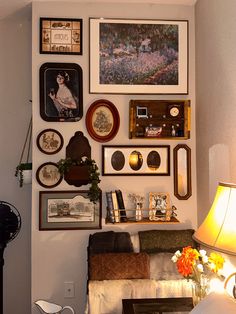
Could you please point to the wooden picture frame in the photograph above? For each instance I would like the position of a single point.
(102, 120)
(61, 36)
(138, 56)
(136, 160)
(50, 141)
(68, 210)
(48, 175)
(61, 92)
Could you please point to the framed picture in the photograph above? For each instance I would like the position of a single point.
(136, 160)
(102, 120)
(138, 56)
(68, 210)
(61, 92)
(48, 175)
(50, 141)
(61, 36)
(159, 205)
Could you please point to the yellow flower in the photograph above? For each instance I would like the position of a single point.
(216, 262)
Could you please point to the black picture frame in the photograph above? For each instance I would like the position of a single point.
(48, 175)
(136, 160)
(50, 141)
(68, 210)
(61, 92)
(61, 36)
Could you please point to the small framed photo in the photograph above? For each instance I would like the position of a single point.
(159, 205)
(50, 141)
(102, 120)
(136, 160)
(48, 175)
(67, 210)
(61, 36)
(61, 92)
(138, 56)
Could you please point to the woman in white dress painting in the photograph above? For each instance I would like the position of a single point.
(64, 101)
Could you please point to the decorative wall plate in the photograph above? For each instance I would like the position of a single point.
(48, 175)
(50, 141)
(102, 120)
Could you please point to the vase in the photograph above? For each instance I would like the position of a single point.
(199, 290)
(138, 212)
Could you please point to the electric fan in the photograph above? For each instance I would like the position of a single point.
(10, 224)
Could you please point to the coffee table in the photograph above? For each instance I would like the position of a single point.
(157, 305)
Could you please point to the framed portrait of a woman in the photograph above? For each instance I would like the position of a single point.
(61, 92)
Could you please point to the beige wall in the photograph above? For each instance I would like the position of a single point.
(59, 256)
(216, 97)
(15, 92)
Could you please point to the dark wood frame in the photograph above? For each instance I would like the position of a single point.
(89, 120)
(176, 172)
(51, 151)
(142, 87)
(44, 196)
(43, 184)
(46, 45)
(48, 73)
(145, 149)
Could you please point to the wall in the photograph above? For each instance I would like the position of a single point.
(15, 91)
(59, 256)
(216, 95)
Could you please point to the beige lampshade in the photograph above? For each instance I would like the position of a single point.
(218, 230)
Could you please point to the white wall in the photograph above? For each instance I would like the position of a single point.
(59, 256)
(216, 97)
(15, 92)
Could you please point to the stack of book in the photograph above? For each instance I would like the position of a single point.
(115, 206)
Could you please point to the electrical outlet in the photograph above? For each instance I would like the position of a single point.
(69, 289)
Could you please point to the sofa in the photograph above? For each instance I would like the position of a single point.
(126, 266)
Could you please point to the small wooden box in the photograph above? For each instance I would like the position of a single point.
(159, 119)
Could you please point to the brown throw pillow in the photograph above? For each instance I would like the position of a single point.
(110, 266)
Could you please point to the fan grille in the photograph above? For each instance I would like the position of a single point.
(10, 222)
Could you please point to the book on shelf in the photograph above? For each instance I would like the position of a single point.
(115, 206)
(121, 205)
(110, 207)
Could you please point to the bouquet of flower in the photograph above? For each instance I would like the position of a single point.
(192, 263)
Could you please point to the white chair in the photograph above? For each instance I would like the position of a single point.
(51, 308)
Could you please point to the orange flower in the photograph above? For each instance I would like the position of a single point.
(187, 260)
(216, 262)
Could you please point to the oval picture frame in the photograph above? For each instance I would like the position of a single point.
(48, 175)
(102, 120)
(50, 141)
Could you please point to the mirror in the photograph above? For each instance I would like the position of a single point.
(182, 172)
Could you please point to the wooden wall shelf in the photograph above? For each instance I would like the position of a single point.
(173, 220)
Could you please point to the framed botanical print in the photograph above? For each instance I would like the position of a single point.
(61, 92)
(50, 141)
(102, 120)
(48, 175)
(68, 210)
(61, 36)
(138, 56)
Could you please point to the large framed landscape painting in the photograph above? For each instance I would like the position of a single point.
(138, 56)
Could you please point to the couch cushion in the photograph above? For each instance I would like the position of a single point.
(153, 241)
(110, 266)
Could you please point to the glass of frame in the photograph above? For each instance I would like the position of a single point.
(182, 172)
(61, 92)
(136, 160)
(68, 210)
(48, 175)
(50, 141)
(138, 56)
(61, 36)
(102, 120)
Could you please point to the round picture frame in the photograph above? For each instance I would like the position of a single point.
(102, 120)
(50, 141)
(48, 175)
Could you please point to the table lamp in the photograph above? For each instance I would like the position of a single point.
(218, 230)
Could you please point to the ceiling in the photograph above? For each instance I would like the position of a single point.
(8, 7)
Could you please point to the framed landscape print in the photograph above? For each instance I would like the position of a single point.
(138, 56)
(68, 210)
(50, 141)
(61, 92)
(61, 36)
(102, 120)
(136, 160)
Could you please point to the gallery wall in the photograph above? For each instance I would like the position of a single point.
(60, 256)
